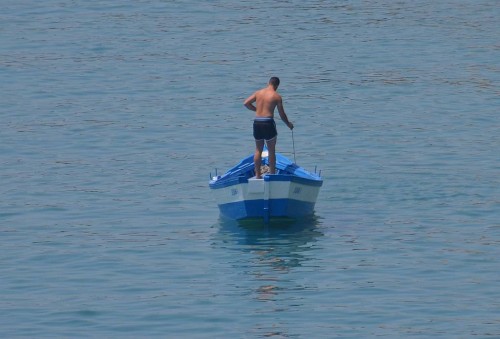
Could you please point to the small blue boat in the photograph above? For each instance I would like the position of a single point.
(291, 192)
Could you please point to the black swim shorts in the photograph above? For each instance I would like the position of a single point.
(264, 129)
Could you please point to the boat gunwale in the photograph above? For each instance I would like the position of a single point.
(287, 171)
(241, 179)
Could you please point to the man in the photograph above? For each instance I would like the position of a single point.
(264, 127)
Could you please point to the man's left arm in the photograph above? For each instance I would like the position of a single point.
(249, 102)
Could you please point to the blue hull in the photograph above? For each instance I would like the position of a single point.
(266, 209)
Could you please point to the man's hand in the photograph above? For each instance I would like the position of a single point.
(290, 125)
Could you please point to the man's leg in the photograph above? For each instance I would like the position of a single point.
(257, 157)
(271, 147)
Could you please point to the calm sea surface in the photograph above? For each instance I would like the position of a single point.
(114, 113)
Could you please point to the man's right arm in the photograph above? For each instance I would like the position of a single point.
(284, 117)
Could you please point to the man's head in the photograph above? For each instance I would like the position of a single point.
(275, 81)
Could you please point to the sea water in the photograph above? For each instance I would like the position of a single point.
(114, 114)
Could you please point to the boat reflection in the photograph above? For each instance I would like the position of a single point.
(267, 258)
(281, 243)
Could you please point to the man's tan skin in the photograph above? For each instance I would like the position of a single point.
(267, 99)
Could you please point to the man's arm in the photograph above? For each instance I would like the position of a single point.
(283, 115)
(249, 102)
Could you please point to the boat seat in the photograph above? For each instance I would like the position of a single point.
(255, 185)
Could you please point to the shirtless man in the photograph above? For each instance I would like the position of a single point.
(264, 127)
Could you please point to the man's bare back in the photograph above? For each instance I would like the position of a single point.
(267, 99)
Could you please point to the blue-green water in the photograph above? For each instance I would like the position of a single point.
(114, 114)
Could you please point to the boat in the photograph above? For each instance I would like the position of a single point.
(290, 193)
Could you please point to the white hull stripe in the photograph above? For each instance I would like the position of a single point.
(257, 190)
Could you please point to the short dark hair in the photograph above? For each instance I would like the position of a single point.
(275, 81)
